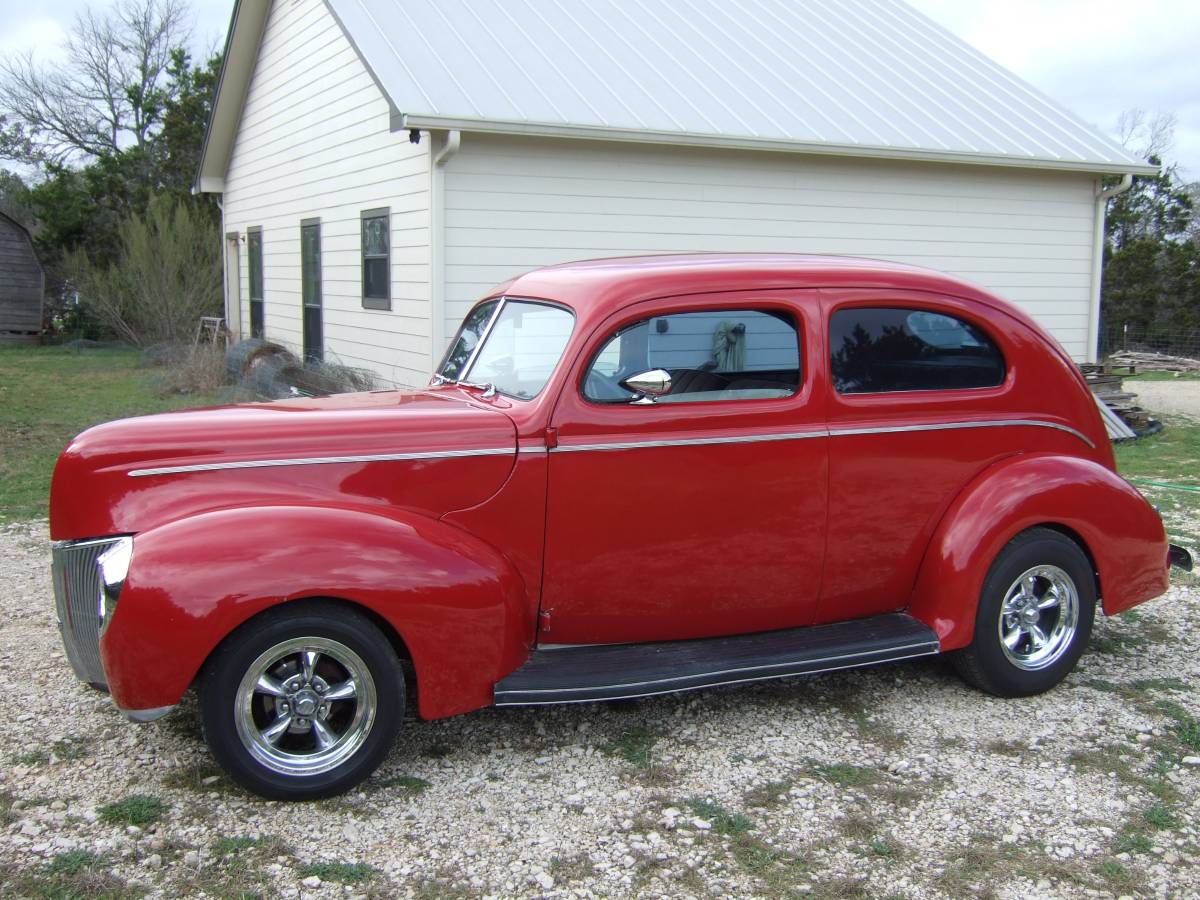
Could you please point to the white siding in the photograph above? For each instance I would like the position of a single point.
(314, 141)
(513, 204)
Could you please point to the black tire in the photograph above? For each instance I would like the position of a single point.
(336, 745)
(1027, 668)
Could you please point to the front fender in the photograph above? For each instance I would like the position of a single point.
(1122, 533)
(457, 604)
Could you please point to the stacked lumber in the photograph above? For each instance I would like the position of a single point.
(1109, 390)
(1154, 362)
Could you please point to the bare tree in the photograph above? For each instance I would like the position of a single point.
(1144, 134)
(109, 93)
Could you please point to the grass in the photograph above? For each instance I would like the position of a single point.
(723, 821)
(50, 394)
(407, 783)
(634, 745)
(1162, 376)
(73, 875)
(136, 809)
(845, 775)
(341, 872)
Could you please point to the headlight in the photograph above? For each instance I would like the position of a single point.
(112, 566)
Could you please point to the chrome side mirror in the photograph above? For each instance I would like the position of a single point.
(648, 385)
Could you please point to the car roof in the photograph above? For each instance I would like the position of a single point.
(596, 288)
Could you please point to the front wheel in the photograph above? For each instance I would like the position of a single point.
(303, 702)
(1034, 617)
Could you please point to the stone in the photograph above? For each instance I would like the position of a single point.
(312, 881)
(192, 859)
(545, 880)
(154, 861)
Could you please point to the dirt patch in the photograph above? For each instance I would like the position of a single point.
(1172, 398)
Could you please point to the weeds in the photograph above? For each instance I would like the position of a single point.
(723, 821)
(634, 745)
(845, 775)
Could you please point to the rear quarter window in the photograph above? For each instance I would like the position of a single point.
(877, 350)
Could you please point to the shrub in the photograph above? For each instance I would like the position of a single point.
(167, 275)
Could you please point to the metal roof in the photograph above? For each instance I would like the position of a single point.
(858, 77)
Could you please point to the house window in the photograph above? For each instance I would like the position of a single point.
(877, 350)
(254, 254)
(376, 259)
(310, 290)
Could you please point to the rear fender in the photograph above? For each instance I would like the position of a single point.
(1120, 531)
(459, 607)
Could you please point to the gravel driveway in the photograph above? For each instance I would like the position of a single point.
(1177, 397)
(897, 781)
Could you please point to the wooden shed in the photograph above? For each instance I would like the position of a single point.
(22, 283)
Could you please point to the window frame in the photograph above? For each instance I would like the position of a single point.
(375, 303)
(953, 308)
(760, 304)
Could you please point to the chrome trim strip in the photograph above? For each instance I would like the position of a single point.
(926, 646)
(947, 426)
(833, 432)
(613, 445)
(320, 460)
(690, 442)
(700, 687)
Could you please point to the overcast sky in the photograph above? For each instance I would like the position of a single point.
(1095, 57)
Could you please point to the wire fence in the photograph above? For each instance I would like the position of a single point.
(1139, 339)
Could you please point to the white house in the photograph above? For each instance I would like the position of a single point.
(383, 163)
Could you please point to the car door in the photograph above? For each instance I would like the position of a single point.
(919, 404)
(703, 512)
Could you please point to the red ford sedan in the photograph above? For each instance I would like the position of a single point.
(628, 477)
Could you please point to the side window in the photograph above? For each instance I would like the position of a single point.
(734, 354)
(893, 349)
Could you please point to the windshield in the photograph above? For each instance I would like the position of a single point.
(513, 345)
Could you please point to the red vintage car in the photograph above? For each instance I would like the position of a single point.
(628, 477)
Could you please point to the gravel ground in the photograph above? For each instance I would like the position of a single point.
(1179, 398)
(897, 781)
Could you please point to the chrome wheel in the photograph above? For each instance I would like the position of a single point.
(305, 706)
(1038, 617)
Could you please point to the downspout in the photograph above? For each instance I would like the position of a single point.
(224, 261)
(437, 245)
(1102, 197)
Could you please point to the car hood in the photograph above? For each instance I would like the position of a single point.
(422, 451)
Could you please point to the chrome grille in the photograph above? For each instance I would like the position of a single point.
(76, 595)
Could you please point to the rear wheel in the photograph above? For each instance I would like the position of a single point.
(303, 703)
(1034, 617)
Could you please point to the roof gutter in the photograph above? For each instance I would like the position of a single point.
(685, 138)
(1103, 195)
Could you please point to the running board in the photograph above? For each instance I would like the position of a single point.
(584, 673)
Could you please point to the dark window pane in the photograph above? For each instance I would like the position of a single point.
(736, 354)
(310, 264)
(375, 278)
(254, 252)
(893, 349)
(256, 318)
